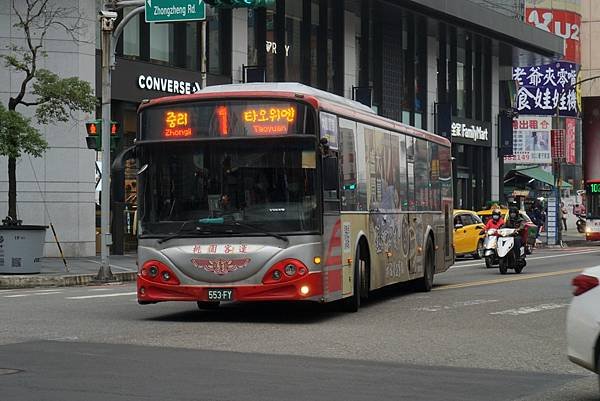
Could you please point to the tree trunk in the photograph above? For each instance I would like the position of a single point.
(12, 188)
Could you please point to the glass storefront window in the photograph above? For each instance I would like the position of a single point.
(271, 38)
(161, 36)
(131, 35)
(192, 54)
(252, 43)
(293, 23)
(461, 90)
(213, 40)
(314, 34)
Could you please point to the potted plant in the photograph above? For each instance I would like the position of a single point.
(53, 99)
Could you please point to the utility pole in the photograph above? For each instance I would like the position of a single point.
(108, 16)
(107, 20)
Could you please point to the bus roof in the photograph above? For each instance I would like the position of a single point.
(324, 99)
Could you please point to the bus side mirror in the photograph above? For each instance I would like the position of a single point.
(330, 174)
(126, 154)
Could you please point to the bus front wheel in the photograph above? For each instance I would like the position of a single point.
(352, 303)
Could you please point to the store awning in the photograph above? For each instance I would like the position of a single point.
(541, 175)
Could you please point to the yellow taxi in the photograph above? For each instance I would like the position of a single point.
(469, 233)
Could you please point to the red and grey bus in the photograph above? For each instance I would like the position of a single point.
(282, 192)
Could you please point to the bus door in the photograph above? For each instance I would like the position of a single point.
(332, 241)
(414, 218)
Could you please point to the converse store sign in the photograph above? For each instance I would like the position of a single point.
(167, 85)
(471, 133)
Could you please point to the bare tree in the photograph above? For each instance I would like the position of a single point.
(53, 97)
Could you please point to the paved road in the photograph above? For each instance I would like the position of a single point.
(477, 336)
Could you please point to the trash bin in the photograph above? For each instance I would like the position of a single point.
(21, 249)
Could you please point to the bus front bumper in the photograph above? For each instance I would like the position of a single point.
(308, 288)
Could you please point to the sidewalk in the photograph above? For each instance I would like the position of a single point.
(81, 271)
(572, 238)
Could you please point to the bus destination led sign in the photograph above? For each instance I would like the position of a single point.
(177, 124)
(594, 188)
(270, 121)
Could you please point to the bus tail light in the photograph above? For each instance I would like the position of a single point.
(284, 271)
(158, 272)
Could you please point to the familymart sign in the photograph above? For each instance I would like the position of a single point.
(175, 10)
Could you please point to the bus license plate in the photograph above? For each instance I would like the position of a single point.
(220, 295)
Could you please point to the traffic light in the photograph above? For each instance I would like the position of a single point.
(94, 138)
(240, 3)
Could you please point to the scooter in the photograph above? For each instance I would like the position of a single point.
(581, 223)
(489, 248)
(509, 258)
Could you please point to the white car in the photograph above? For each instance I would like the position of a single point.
(583, 321)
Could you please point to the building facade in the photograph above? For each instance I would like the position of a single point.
(590, 90)
(440, 68)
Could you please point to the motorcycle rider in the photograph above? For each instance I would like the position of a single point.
(496, 221)
(516, 221)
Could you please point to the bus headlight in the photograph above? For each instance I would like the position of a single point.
(304, 290)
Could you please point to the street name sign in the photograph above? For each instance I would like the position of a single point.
(175, 10)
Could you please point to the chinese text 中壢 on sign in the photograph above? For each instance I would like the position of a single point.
(546, 89)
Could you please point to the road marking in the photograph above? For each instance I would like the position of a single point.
(455, 305)
(33, 293)
(529, 258)
(525, 310)
(507, 279)
(120, 294)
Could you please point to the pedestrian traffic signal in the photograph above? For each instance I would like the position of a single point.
(240, 3)
(94, 138)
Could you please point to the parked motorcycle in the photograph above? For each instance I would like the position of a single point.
(581, 223)
(489, 248)
(509, 258)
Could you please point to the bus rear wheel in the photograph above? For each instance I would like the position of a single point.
(425, 284)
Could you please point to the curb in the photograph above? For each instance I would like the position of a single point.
(59, 280)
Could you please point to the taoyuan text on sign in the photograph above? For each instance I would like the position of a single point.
(175, 10)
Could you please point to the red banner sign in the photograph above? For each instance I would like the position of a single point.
(558, 144)
(570, 141)
(565, 24)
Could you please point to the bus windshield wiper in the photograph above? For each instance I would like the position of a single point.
(179, 231)
(261, 230)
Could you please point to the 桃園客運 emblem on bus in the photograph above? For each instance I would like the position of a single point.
(221, 266)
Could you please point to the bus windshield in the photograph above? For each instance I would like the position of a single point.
(268, 185)
(593, 205)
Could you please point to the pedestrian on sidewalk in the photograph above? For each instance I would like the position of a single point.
(563, 215)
